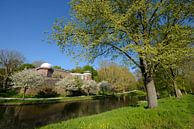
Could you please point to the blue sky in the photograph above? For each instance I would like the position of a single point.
(22, 27)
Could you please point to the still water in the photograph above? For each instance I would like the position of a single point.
(33, 116)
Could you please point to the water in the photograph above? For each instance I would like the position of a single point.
(33, 116)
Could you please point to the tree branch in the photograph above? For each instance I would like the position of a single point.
(125, 53)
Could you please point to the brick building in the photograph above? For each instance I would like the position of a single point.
(47, 71)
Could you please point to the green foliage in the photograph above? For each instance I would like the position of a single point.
(91, 69)
(156, 30)
(25, 66)
(164, 82)
(172, 114)
(77, 70)
(2, 72)
(8, 93)
(57, 67)
(146, 33)
(182, 74)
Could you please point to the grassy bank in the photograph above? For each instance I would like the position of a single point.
(172, 113)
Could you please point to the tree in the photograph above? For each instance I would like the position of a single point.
(120, 77)
(185, 75)
(92, 70)
(175, 78)
(164, 82)
(9, 61)
(2, 73)
(25, 66)
(27, 78)
(57, 67)
(77, 70)
(137, 31)
(71, 84)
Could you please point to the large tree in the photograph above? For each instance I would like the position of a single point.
(136, 30)
(9, 61)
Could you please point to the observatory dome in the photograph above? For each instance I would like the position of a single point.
(46, 65)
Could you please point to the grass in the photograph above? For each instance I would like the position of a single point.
(172, 113)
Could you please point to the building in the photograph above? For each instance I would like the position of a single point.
(84, 76)
(47, 71)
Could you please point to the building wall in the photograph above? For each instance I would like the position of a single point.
(45, 72)
(84, 76)
(60, 73)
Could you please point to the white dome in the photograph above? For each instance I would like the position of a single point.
(46, 65)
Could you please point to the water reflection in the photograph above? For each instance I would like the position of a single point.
(31, 116)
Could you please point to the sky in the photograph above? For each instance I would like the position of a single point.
(23, 24)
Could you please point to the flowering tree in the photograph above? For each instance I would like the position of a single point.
(90, 87)
(70, 84)
(27, 78)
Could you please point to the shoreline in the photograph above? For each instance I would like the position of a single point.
(33, 101)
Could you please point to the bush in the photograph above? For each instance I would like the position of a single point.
(8, 93)
(105, 87)
(47, 92)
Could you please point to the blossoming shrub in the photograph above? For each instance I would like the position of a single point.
(71, 84)
(90, 87)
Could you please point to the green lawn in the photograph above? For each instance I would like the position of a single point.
(172, 113)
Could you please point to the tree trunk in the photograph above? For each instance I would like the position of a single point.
(177, 90)
(151, 92)
(5, 82)
(149, 84)
(25, 88)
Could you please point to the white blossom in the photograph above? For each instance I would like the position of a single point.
(90, 87)
(27, 78)
(70, 83)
